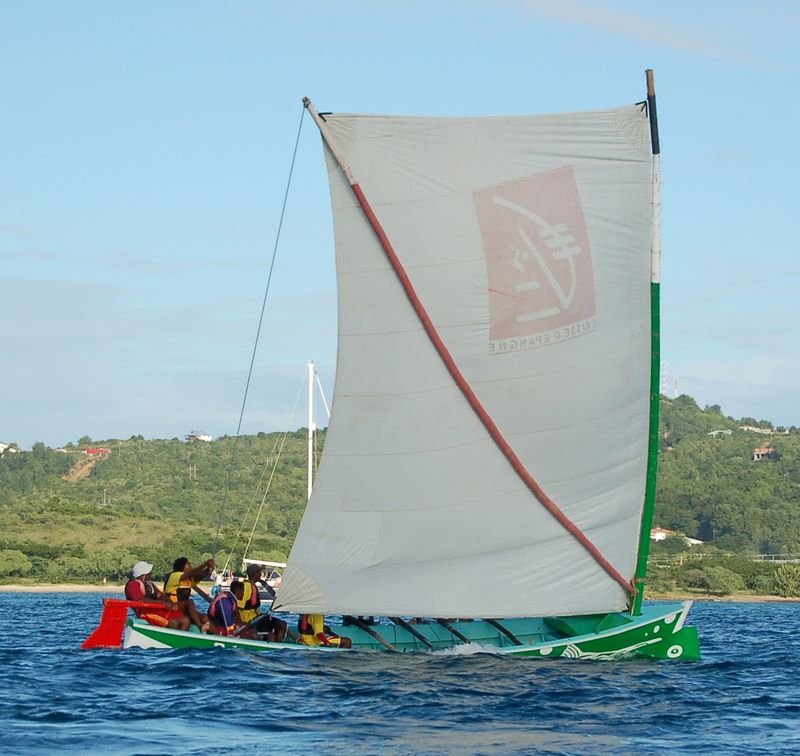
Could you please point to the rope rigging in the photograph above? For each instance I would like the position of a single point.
(280, 439)
(255, 344)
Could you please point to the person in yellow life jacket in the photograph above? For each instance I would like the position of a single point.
(224, 613)
(265, 626)
(179, 586)
(314, 632)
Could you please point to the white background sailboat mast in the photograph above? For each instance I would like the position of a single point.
(313, 379)
(311, 427)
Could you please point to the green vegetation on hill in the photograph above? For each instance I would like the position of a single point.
(152, 500)
(710, 488)
(63, 519)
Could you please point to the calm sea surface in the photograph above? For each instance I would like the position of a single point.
(743, 698)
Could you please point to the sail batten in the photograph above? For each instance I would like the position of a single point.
(562, 233)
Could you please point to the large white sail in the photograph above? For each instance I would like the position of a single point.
(527, 240)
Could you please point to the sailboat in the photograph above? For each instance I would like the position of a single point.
(489, 472)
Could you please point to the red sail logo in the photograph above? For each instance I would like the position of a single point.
(538, 261)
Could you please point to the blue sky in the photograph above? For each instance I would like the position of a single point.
(145, 149)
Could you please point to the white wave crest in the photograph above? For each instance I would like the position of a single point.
(466, 649)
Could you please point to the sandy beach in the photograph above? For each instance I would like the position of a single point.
(70, 587)
(61, 588)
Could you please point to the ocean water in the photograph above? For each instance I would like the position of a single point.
(744, 697)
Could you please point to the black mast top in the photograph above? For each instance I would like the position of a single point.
(651, 107)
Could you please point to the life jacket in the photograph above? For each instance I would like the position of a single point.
(146, 588)
(174, 581)
(251, 598)
(304, 626)
(130, 584)
(150, 590)
(307, 622)
(311, 627)
(137, 589)
(221, 611)
(250, 602)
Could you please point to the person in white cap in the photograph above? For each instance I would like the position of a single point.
(141, 588)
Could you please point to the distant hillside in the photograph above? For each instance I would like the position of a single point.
(63, 519)
(152, 500)
(709, 487)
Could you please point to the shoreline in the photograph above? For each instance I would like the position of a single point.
(61, 588)
(69, 587)
(743, 598)
(120, 588)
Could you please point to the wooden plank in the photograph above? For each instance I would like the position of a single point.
(445, 624)
(411, 629)
(359, 623)
(505, 631)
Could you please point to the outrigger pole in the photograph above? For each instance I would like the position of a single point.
(655, 353)
(454, 370)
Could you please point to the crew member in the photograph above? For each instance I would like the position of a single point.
(265, 625)
(179, 586)
(314, 632)
(141, 588)
(224, 612)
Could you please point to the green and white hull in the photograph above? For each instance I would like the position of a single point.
(657, 633)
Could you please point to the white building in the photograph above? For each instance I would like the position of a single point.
(661, 534)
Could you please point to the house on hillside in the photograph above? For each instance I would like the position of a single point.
(10, 448)
(756, 429)
(660, 534)
(198, 436)
(718, 433)
(762, 452)
(97, 451)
